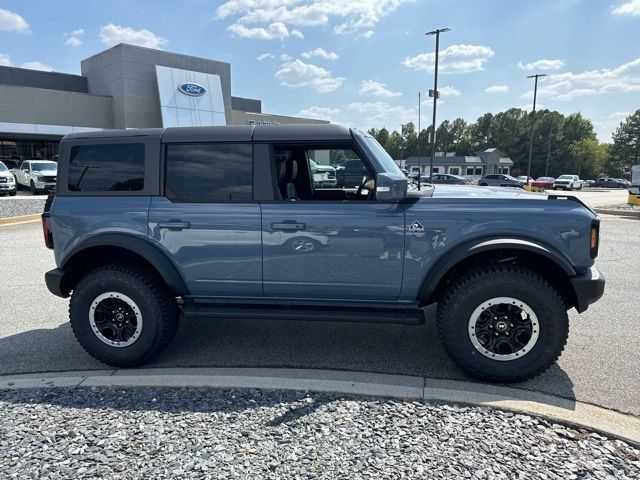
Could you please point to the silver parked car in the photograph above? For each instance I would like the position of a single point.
(499, 180)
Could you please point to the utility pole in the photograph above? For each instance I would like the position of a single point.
(533, 124)
(419, 150)
(435, 94)
(546, 170)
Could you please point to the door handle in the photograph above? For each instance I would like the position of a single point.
(288, 226)
(174, 225)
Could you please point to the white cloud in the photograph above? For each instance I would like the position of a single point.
(630, 8)
(376, 89)
(297, 74)
(568, 85)
(73, 42)
(381, 114)
(275, 31)
(12, 22)
(5, 60)
(320, 113)
(35, 65)
(74, 39)
(604, 126)
(113, 34)
(497, 89)
(285, 58)
(449, 92)
(264, 56)
(350, 17)
(544, 64)
(321, 52)
(453, 59)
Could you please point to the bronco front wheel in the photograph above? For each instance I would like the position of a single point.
(502, 323)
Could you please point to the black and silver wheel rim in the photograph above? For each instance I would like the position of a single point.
(303, 245)
(115, 319)
(504, 328)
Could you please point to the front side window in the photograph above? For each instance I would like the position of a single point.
(209, 172)
(306, 173)
(117, 167)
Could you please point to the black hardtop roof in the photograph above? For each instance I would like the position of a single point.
(230, 133)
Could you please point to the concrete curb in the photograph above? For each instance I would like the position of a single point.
(19, 220)
(565, 411)
(620, 213)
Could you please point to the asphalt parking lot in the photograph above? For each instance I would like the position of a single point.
(600, 365)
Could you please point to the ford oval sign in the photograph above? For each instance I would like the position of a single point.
(192, 89)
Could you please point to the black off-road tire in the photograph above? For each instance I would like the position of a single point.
(157, 306)
(470, 289)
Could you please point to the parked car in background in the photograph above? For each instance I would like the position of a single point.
(568, 182)
(37, 175)
(543, 182)
(7, 181)
(323, 175)
(445, 178)
(606, 182)
(523, 180)
(499, 180)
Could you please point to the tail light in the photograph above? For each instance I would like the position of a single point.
(46, 230)
(594, 239)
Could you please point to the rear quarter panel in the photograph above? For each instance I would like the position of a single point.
(76, 219)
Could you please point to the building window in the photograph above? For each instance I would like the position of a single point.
(117, 167)
(478, 171)
(454, 170)
(209, 172)
(436, 169)
(469, 171)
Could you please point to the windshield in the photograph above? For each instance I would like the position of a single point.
(511, 178)
(3, 167)
(44, 166)
(565, 177)
(380, 153)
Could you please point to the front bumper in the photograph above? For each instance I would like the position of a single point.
(55, 282)
(7, 187)
(44, 185)
(588, 288)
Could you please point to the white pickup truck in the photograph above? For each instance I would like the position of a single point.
(37, 175)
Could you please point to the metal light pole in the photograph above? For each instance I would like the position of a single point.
(419, 151)
(435, 94)
(533, 124)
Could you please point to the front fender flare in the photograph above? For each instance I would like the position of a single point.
(472, 247)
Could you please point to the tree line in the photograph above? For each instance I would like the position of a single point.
(566, 142)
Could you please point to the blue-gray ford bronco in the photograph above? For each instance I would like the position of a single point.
(152, 226)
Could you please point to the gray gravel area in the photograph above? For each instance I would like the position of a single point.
(15, 206)
(622, 207)
(205, 433)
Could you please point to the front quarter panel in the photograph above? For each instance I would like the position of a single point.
(560, 226)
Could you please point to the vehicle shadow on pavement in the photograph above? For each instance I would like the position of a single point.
(357, 347)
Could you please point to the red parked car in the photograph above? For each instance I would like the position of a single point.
(543, 182)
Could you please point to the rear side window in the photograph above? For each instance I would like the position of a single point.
(117, 167)
(209, 172)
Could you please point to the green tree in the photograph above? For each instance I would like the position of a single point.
(587, 157)
(626, 143)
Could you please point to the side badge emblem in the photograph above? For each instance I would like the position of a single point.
(416, 227)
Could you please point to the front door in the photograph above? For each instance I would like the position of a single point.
(331, 241)
(207, 220)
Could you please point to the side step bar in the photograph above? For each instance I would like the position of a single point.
(271, 312)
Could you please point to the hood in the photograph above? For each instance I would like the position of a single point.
(452, 191)
(6, 174)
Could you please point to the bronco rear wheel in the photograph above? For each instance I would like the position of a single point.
(122, 314)
(502, 323)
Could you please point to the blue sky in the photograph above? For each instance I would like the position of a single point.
(362, 62)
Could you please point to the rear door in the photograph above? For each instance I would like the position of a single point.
(207, 219)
